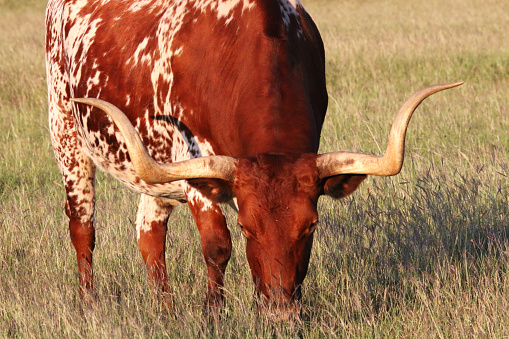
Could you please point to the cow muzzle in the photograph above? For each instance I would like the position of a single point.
(280, 305)
(276, 302)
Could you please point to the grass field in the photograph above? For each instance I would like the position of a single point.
(423, 254)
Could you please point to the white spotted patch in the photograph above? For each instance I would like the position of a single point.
(76, 168)
(193, 195)
(196, 198)
(150, 210)
(141, 47)
(146, 5)
(225, 8)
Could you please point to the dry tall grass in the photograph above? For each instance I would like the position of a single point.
(423, 254)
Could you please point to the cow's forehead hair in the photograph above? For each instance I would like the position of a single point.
(274, 178)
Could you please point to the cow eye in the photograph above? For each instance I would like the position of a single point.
(243, 230)
(312, 227)
(306, 232)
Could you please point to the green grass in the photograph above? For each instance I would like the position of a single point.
(422, 254)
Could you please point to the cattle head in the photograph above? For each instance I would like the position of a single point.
(277, 197)
(277, 194)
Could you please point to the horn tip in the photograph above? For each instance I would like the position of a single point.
(455, 84)
(81, 100)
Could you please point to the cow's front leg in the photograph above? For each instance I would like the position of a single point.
(151, 226)
(79, 207)
(215, 241)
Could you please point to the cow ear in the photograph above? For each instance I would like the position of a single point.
(340, 186)
(217, 190)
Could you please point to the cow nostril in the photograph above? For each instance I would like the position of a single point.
(280, 310)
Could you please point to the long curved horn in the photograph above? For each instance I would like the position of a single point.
(336, 163)
(153, 172)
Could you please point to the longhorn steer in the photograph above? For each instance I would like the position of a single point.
(221, 100)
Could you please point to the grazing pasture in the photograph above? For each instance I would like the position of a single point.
(421, 254)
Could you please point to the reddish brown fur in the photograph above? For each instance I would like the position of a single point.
(253, 87)
(152, 245)
(260, 94)
(277, 198)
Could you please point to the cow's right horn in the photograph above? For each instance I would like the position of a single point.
(337, 163)
(153, 172)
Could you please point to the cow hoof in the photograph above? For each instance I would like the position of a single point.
(213, 308)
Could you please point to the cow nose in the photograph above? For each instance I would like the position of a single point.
(281, 311)
(278, 304)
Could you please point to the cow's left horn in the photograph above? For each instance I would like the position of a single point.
(153, 172)
(336, 163)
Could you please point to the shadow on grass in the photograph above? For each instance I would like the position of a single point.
(392, 244)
